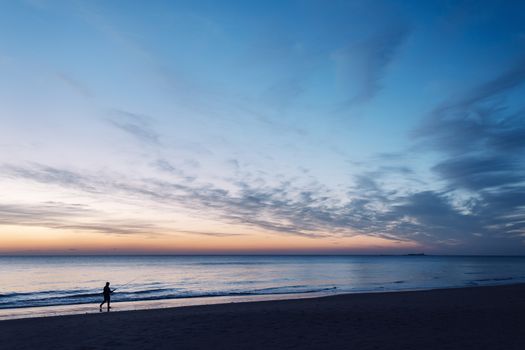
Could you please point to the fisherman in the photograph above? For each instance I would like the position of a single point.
(107, 296)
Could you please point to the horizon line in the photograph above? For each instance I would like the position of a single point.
(265, 254)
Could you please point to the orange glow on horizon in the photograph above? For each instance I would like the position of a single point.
(34, 240)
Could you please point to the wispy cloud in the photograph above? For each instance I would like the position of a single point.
(481, 141)
(480, 172)
(114, 227)
(273, 209)
(365, 63)
(509, 79)
(211, 234)
(284, 208)
(43, 214)
(74, 84)
(49, 175)
(431, 218)
(72, 217)
(478, 119)
(137, 125)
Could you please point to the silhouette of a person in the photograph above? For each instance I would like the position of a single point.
(107, 296)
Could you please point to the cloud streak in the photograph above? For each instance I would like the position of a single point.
(431, 218)
(136, 125)
(71, 217)
(482, 143)
(365, 63)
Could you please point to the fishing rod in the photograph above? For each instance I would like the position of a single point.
(122, 286)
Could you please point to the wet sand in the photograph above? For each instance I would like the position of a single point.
(466, 318)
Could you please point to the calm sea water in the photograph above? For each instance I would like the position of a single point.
(42, 281)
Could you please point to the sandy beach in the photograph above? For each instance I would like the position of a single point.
(467, 318)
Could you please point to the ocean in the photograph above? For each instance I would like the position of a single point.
(35, 281)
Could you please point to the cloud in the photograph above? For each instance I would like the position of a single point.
(212, 234)
(430, 213)
(44, 214)
(280, 209)
(75, 85)
(364, 64)
(283, 208)
(49, 175)
(167, 167)
(511, 78)
(137, 125)
(234, 163)
(478, 119)
(434, 219)
(481, 141)
(70, 216)
(114, 227)
(480, 172)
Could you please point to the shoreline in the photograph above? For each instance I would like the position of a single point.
(142, 305)
(488, 317)
(156, 304)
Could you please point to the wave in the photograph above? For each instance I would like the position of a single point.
(496, 279)
(38, 299)
(44, 292)
(232, 263)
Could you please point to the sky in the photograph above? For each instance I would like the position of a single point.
(262, 127)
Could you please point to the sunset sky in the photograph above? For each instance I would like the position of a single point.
(323, 127)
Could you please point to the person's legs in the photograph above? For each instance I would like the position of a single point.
(109, 307)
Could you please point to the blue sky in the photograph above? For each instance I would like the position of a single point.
(301, 126)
